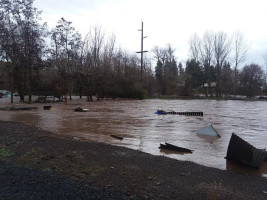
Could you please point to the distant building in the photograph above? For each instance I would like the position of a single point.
(211, 85)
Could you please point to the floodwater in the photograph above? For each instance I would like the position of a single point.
(135, 121)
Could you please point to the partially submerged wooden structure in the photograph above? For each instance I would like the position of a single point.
(162, 112)
(172, 147)
(117, 137)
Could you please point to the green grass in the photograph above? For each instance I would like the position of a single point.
(5, 153)
(47, 169)
(32, 151)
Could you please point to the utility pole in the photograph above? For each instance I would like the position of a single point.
(142, 38)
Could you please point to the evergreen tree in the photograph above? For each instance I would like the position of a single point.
(159, 73)
(171, 76)
(226, 77)
(194, 74)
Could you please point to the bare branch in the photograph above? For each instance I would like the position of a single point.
(240, 47)
(195, 45)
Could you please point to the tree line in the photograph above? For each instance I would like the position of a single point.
(58, 62)
(214, 68)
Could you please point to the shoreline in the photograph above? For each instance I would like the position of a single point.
(130, 172)
(264, 98)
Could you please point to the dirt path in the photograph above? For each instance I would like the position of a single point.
(128, 173)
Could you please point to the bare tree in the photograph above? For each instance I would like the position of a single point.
(201, 49)
(222, 49)
(166, 71)
(95, 44)
(170, 53)
(206, 49)
(109, 51)
(195, 45)
(159, 54)
(202, 52)
(240, 48)
(21, 42)
(66, 52)
(94, 53)
(265, 74)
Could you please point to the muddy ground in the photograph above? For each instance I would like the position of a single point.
(90, 170)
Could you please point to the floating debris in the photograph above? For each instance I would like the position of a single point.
(241, 151)
(117, 137)
(162, 112)
(208, 130)
(48, 108)
(175, 148)
(79, 109)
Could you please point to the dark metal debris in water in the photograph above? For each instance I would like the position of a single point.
(162, 112)
(117, 137)
(208, 130)
(47, 107)
(175, 148)
(79, 109)
(241, 151)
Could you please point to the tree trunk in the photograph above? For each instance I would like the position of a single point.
(21, 97)
(12, 96)
(30, 98)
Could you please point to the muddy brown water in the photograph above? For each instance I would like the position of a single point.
(135, 121)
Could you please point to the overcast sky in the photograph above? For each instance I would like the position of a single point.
(165, 21)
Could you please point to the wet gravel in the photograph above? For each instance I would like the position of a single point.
(17, 182)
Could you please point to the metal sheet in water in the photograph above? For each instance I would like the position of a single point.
(208, 130)
(241, 151)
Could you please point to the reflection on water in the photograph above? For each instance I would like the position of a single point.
(141, 129)
(236, 167)
(26, 117)
(166, 151)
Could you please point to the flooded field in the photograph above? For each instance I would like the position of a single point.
(143, 130)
